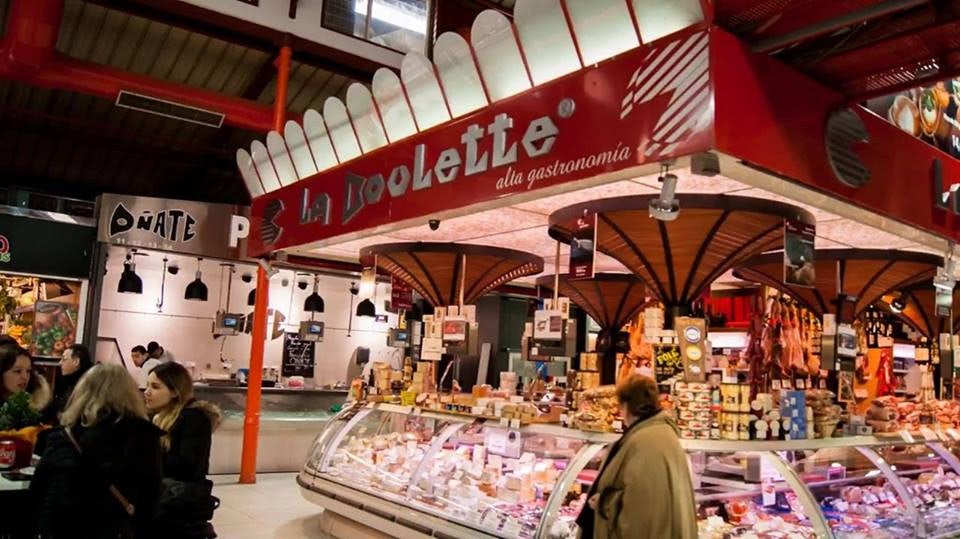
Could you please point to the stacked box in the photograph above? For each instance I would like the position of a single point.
(694, 416)
(793, 407)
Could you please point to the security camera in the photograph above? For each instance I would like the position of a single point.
(354, 289)
(285, 282)
(246, 277)
(434, 224)
(173, 269)
(302, 285)
(705, 164)
(666, 208)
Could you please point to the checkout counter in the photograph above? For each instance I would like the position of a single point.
(289, 421)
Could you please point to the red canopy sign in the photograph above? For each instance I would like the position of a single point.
(643, 106)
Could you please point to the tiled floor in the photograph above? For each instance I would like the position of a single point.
(271, 508)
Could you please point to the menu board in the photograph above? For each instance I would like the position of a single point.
(298, 356)
(928, 113)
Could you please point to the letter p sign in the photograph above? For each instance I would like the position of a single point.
(239, 229)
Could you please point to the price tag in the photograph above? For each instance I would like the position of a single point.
(953, 434)
(907, 437)
(928, 434)
(769, 492)
(618, 425)
(515, 423)
(564, 419)
(504, 422)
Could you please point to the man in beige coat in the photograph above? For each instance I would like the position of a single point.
(644, 488)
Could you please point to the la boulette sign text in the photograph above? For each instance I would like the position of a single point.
(619, 114)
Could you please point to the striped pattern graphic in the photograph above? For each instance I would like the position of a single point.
(545, 40)
(681, 69)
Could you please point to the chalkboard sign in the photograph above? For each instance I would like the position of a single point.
(298, 356)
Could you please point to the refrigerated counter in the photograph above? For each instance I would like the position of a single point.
(289, 421)
(388, 470)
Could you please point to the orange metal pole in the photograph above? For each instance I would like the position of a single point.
(251, 417)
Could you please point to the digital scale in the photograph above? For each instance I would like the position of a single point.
(227, 324)
(311, 330)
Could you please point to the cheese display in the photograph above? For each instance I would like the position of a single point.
(484, 477)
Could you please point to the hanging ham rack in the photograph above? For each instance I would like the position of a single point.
(680, 259)
(451, 273)
(847, 280)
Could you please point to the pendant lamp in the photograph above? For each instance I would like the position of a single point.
(314, 303)
(366, 308)
(196, 290)
(130, 282)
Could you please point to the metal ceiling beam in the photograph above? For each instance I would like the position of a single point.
(28, 55)
(821, 28)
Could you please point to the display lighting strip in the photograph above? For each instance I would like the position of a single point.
(546, 40)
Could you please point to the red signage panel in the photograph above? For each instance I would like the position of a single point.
(773, 117)
(640, 107)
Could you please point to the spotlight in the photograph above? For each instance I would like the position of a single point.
(302, 285)
(246, 277)
(196, 290)
(252, 298)
(898, 304)
(130, 282)
(666, 208)
(354, 289)
(173, 268)
(366, 308)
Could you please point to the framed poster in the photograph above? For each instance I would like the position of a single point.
(583, 247)
(798, 249)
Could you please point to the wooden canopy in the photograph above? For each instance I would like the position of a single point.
(441, 271)
(609, 298)
(920, 310)
(680, 259)
(864, 275)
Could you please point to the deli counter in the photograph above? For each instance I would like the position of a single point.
(398, 471)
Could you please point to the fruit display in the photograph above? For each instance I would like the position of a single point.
(54, 328)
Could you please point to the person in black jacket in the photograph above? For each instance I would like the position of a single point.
(106, 485)
(74, 363)
(188, 426)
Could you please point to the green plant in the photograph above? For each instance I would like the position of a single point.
(8, 303)
(17, 413)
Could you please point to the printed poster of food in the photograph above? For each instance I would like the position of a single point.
(54, 328)
(929, 113)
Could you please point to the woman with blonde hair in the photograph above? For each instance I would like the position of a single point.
(100, 472)
(188, 424)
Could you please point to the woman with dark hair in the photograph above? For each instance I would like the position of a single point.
(16, 369)
(188, 426)
(644, 489)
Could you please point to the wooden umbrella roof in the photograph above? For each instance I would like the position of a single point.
(609, 298)
(920, 309)
(441, 271)
(864, 274)
(679, 259)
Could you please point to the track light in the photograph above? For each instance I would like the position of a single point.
(196, 290)
(666, 208)
(130, 282)
(252, 297)
(313, 303)
(898, 304)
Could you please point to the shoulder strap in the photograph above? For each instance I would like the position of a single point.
(121, 499)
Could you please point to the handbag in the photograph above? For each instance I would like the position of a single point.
(128, 507)
(186, 502)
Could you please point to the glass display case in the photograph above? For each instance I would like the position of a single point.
(436, 474)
